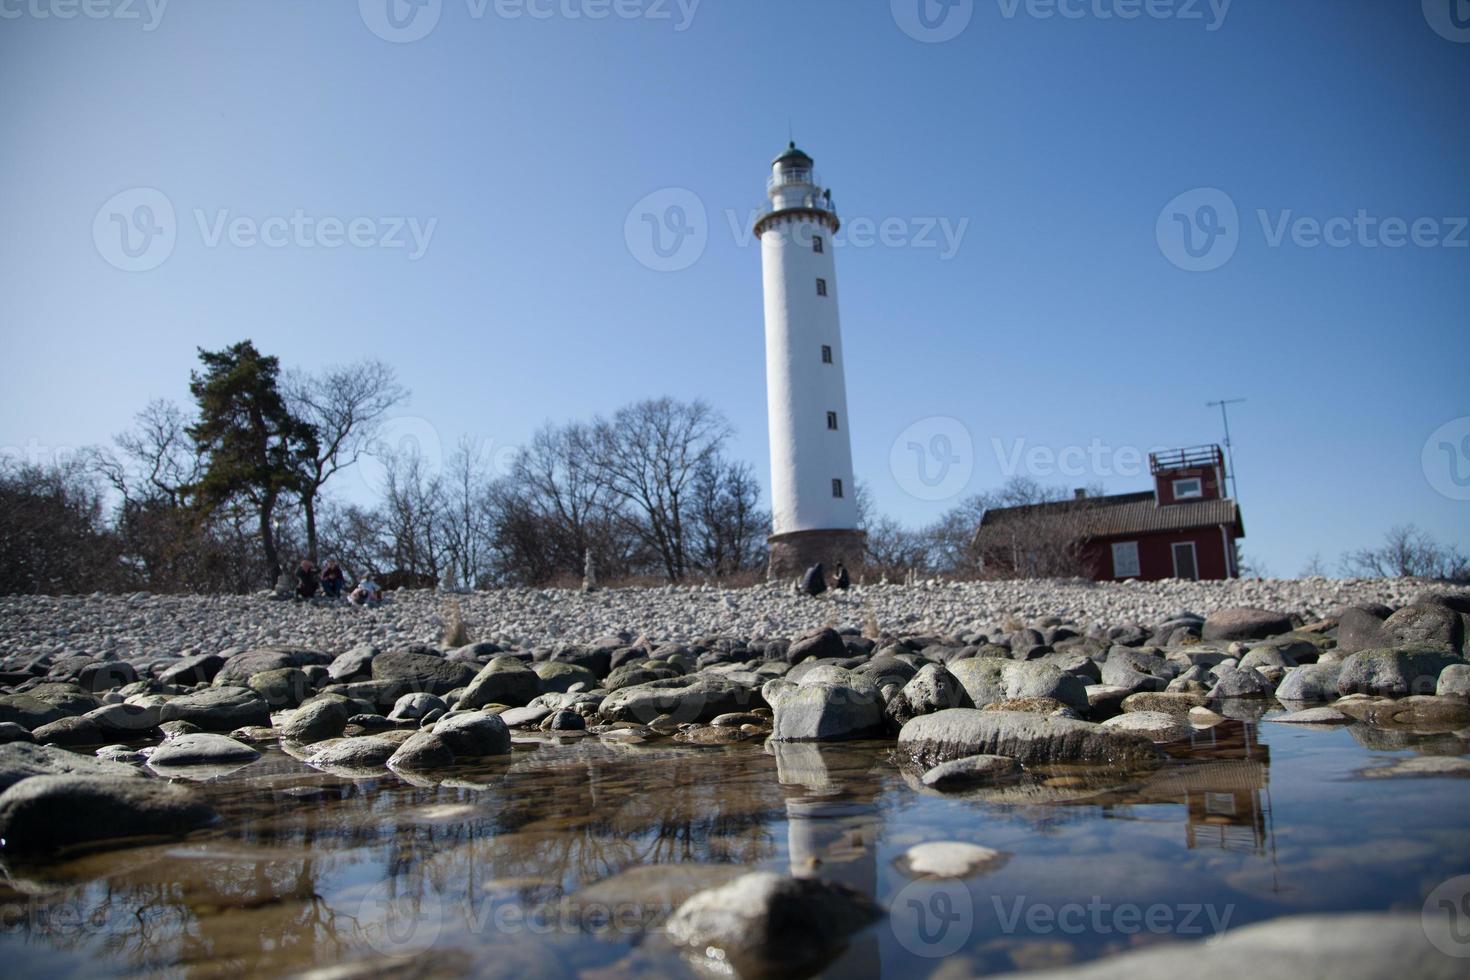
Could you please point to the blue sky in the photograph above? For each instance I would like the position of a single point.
(1054, 329)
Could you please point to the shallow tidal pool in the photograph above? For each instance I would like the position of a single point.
(565, 858)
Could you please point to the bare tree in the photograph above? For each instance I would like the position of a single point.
(345, 405)
(468, 515)
(1042, 532)
(728, 527)
(651, 452)
(413, 515)
(1407, 551)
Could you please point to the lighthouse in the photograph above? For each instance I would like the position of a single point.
(813, 498)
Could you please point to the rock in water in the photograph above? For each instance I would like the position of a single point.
(43, 813)
(320, 718)
(1344, 947)
(364, 752)
(1029, 739)
(766, 923)
(951, 859)
(822, 711)
(1314, 682)
(202, 749)
(1394, 672)
(1157, 726)
(474, 734)
(21, 760)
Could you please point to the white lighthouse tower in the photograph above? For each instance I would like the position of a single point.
(813, 501)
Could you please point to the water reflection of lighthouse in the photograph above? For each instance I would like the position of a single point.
(832, 830)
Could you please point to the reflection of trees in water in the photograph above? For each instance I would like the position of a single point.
(283, 873)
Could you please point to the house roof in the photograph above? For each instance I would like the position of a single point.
(1120, 514)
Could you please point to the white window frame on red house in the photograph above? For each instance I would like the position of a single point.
(1118, 567)
(1199, 488)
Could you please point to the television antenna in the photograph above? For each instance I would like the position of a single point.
(1223, 404)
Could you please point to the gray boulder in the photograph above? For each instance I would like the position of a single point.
(1427, 625)
(355, 664)
(22, 760)
(1242, 682)
(238, 670)
(43, 813)
(422, 672)
(1036, 679)
(28, 712)
(822, 711)
(363, 752)
(1454, 681)
(697, 697)
(1359, 628)
(1244, 623)
(823, 644)
(557, 675)
(320, 718)
(188, 671)
(933, 688)
(1028, 738)
(218, 709)
(1344, 947)
(1314, 682)
(201, 749)
(422, 750)
(504, 680)
(474, 734)
(768, 924)
(1394, 672)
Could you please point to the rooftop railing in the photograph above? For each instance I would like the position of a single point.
(1185, 459)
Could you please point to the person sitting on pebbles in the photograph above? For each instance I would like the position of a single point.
(306, 579)
(367, 593)
(332, 580)
(814, 582)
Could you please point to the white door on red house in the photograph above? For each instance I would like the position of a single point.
(1185, 566)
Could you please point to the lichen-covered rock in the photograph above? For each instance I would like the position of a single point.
(933, 688)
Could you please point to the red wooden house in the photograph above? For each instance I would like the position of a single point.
(1184, 528)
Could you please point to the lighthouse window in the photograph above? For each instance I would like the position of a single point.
(826, 354)
(832, 421)
(821, 287)
(837, 488)
(818, 245)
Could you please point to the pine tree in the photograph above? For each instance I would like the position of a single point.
(253, 447)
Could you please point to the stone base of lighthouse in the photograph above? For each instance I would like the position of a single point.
(796, 551)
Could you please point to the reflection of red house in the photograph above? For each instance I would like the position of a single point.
(1184, 528)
